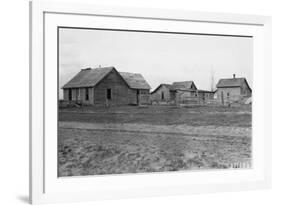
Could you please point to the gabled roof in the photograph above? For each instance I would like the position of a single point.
(232, 82)
(183, 85)
(169, 86)
(135, 80)
(90, 77)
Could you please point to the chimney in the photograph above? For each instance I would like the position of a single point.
(233, 75)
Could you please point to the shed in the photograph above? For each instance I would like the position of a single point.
(163, 93)
(173, 93)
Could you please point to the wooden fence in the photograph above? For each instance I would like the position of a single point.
(190, 101)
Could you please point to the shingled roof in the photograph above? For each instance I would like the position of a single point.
(232, 82)
(135, 80)
(90, 77)
(184, 85)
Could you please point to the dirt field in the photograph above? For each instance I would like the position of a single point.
(152, 139)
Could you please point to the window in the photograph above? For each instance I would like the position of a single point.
(162, 97)
(87, 94)
(108, 94)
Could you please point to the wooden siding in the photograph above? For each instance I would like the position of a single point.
(162, 90)
(119, 90)
(245, 90)
(132, 96)
(184, 95)
(144, 97)
(66, 94)
(206, 96)
(228, 95)
(74, 94)
(81, 98)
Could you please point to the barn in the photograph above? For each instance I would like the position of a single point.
(106, 86)
(232, 90)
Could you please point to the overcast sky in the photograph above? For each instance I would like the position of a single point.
(160, 58)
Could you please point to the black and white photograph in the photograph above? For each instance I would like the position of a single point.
(133, 101)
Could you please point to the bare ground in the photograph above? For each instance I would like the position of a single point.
(89, 152)
(132, 140)
(219, 138)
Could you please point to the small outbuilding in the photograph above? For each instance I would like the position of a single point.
(174, 93)
(163, 93)
(186, 91)
(206, 95)
(107, 86)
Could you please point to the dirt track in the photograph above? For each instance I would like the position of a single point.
(165, 129)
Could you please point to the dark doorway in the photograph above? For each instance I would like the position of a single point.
(108, 94)
(138, 97)
(70, 95)
(87, 94)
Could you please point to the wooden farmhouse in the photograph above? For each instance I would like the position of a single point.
(106, 86)
(232, 90)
